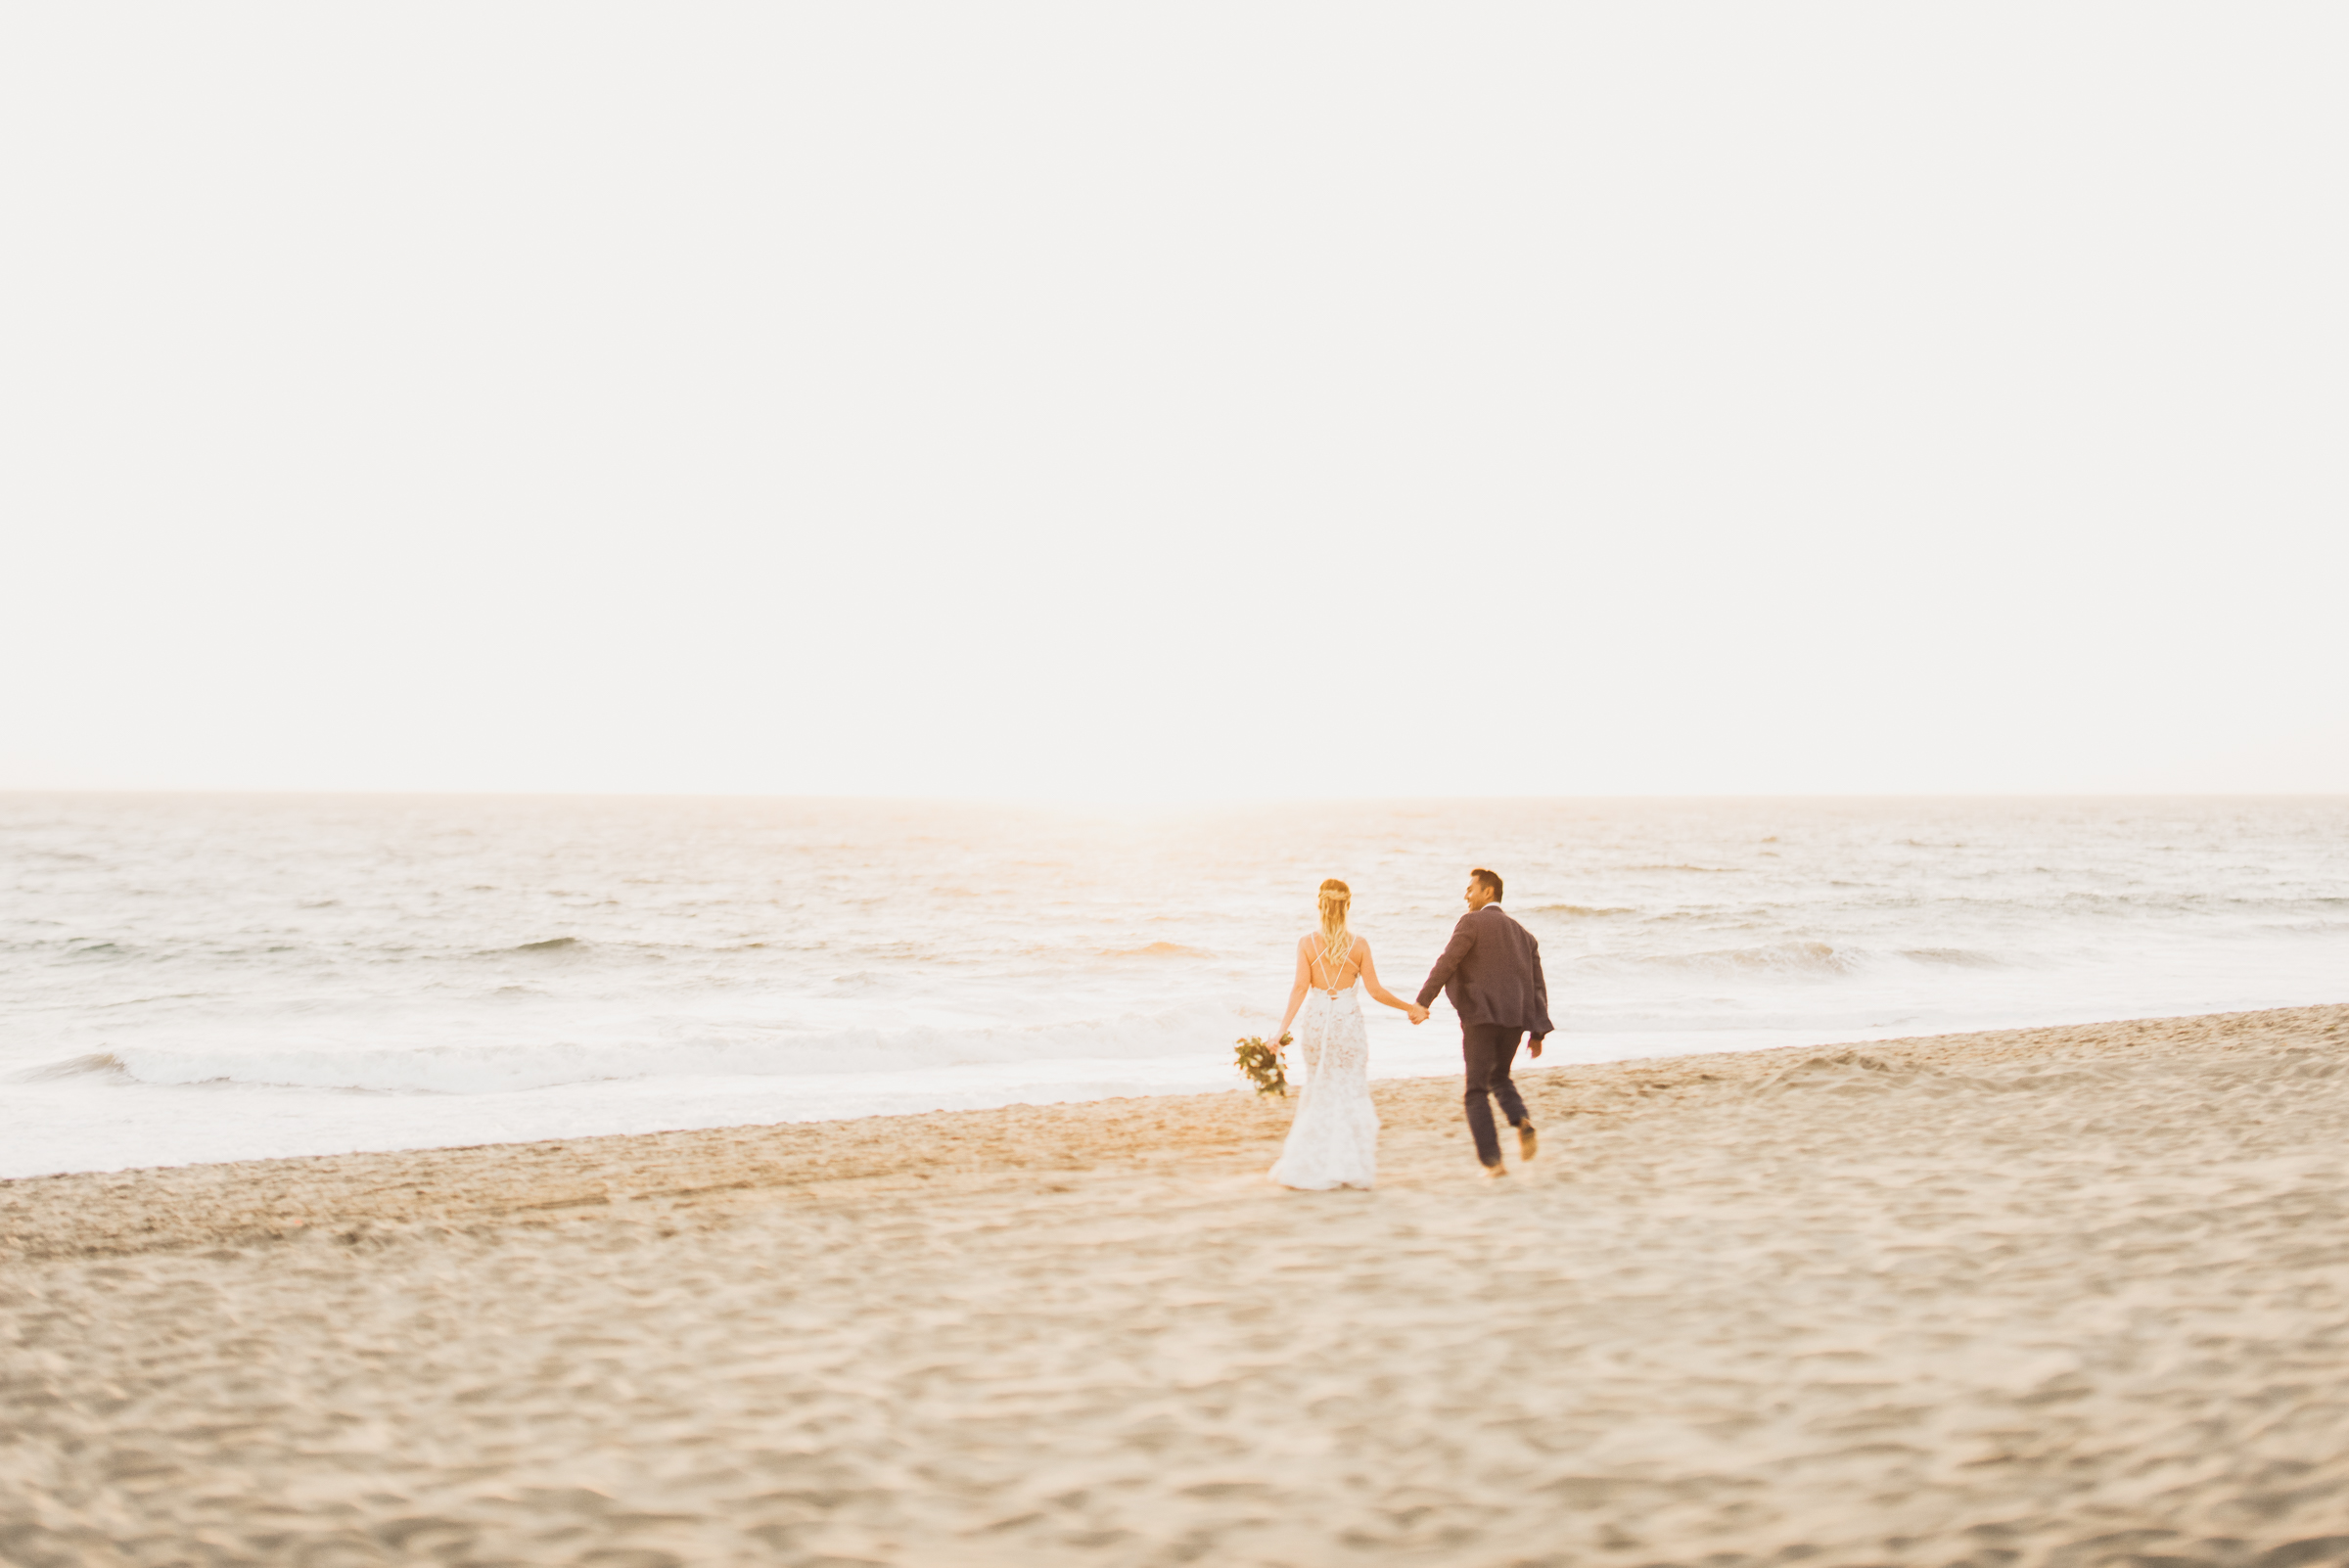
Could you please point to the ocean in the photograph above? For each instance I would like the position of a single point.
(214, 977)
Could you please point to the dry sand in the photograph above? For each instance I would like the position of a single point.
(2070, 1296)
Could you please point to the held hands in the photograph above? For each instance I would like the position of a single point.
(1417, 1012)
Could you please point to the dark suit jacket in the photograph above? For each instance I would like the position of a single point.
(1492, 971)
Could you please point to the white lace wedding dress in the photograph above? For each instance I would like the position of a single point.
(1334, 1141)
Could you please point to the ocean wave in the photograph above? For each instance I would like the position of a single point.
(205, 942)
(1806, 958)
(705, 1052)
(98, 1064)
(1792, 957)
(1956, 957)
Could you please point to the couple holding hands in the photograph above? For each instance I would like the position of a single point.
(1491, 971)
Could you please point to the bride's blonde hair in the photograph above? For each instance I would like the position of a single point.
(1337, 943)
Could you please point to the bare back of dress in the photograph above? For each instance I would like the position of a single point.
(1334, 1141)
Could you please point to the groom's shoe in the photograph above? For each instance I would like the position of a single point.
(1527, 1142)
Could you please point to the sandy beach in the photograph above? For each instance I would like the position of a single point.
(2069, 1296)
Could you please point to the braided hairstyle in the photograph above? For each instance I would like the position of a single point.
(1337, 943)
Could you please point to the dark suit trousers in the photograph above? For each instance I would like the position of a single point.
(1488, 1050)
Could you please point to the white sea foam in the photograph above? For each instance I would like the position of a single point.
(421, 1064)
(217, 978)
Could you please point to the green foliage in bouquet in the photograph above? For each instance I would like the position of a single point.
(1260, 1062)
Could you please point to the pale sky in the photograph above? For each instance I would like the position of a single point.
(1174, 401)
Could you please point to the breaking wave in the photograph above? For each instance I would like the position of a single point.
(97, 1064)
(1809, 958)
(1954, 957)
(1793, 957)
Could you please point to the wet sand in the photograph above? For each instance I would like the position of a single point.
(2067, 1297)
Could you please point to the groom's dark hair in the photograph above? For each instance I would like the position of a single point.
(1489, 879)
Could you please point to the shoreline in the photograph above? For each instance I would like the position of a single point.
(236, 1201)
(2063, 1297)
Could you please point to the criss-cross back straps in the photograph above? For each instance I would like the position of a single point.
(1333, 961)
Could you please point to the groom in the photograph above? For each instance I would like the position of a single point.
(1491, 972)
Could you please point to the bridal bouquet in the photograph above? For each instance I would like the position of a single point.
(1260, 1062)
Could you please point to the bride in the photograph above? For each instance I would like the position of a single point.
(1334, 1141)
